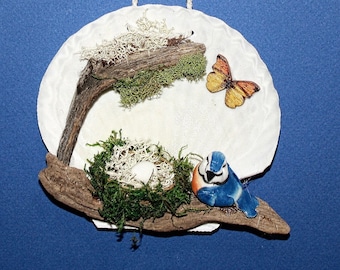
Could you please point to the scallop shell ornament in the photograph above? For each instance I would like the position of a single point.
(169, 106)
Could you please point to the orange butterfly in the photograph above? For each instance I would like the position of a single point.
(221, 79)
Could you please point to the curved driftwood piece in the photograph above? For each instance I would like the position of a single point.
(71, 187)
(97, 78)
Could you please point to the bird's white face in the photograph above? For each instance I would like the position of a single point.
(214, 168)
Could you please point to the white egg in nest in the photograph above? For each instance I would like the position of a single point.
(143, 171)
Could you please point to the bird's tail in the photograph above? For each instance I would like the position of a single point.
(247, 203)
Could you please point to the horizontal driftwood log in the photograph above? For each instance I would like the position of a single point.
(97, 78)
(71, 187)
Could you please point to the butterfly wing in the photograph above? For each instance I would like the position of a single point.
(220, 78)
(247, 88)
(238, 91)
(222, 66)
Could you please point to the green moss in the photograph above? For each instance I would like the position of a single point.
(121, 204)
(148, 84)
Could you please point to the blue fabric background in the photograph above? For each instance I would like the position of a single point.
(298, 40)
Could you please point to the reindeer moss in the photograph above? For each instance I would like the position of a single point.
(121, 204)
(149, 84)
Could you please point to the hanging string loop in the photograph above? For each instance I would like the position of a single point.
(189, 3)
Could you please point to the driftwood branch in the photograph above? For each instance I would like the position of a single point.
(71, 187)
(96, 79)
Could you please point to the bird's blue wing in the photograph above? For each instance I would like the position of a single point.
(207, 195)
(215, 196)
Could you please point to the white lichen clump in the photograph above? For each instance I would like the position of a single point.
(147, 36)
(125, 158)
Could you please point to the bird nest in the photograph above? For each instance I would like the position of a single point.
(134, 164)
(138, 181)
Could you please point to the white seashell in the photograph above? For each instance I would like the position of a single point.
(196, 118)
(143, 171)
(248, 136)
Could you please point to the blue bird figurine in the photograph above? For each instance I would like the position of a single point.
(215, 184)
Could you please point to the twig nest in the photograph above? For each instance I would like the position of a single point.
(143, 171)
(135, 164)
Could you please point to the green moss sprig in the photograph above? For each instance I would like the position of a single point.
(149, 84)
(121, 203)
